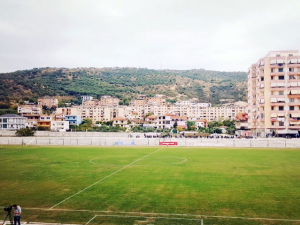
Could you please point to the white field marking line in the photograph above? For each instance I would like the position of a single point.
(151, 217)
(162, 214)
(124, 167)
(30, 141)
(91, 219)
(183, 161)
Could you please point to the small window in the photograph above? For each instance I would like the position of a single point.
(262, 79)
(272, 70)
(292, 100)
(281, 108)
(292, 107)
(290, 54)
(278, 55)
(272, 107)
(281, 123)
(280, 92)
(272, 77)
(291, 69)
(280, 69)
(280, 77)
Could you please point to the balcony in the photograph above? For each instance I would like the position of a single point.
(280, 65)
(293, 65)
(295, 126)
(278, 73)
(293, 72)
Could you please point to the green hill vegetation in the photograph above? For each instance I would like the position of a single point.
(124, 83)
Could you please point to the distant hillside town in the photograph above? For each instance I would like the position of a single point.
(272, 110)
(145, 112)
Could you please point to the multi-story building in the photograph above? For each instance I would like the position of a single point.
(67, 111)
(12, 122)
(30, 108)
(60, 125)
(194, 111)
(48, 102)
(73, 119)
(274, 94)
(143, 100)
(44, 123)
(85, 98)
(107, 100)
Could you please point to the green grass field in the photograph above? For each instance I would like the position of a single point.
(130, 185)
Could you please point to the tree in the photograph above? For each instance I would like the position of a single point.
(25, 132)
(191, 125)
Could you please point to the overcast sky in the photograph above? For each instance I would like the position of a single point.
(224, 35)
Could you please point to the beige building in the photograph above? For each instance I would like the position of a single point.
(274, 94)
(143, 100)
(207, 113)
(107, 100)
(95, 113)
(48, 101)
(32, 109)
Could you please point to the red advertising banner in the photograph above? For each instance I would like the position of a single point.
(168, 143)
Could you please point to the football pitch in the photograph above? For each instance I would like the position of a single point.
(151, 185)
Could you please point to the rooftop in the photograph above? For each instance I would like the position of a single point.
(11, 116)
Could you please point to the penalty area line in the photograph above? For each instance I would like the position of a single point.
(151, 217)
(124, 167)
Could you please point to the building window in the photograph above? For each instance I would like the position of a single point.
(273, 123)
(272, 107)
(292, 100)
(272, 70)
(280, 92)
(280, 69)
(262, 79)
(272, 77)
(292, 107)
(281, 108)
(277, 55)
(280, 77)
(291, 69)
(281, 123)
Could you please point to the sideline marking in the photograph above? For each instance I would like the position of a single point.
(151, 217)
(163, 214)
(124, 167)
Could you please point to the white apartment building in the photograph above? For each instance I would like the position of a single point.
(32, 109)
(12, 122)
(274, 94)
(60, 125)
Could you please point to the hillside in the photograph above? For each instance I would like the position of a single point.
(212, 86)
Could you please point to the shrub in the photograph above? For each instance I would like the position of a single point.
(25, 132)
